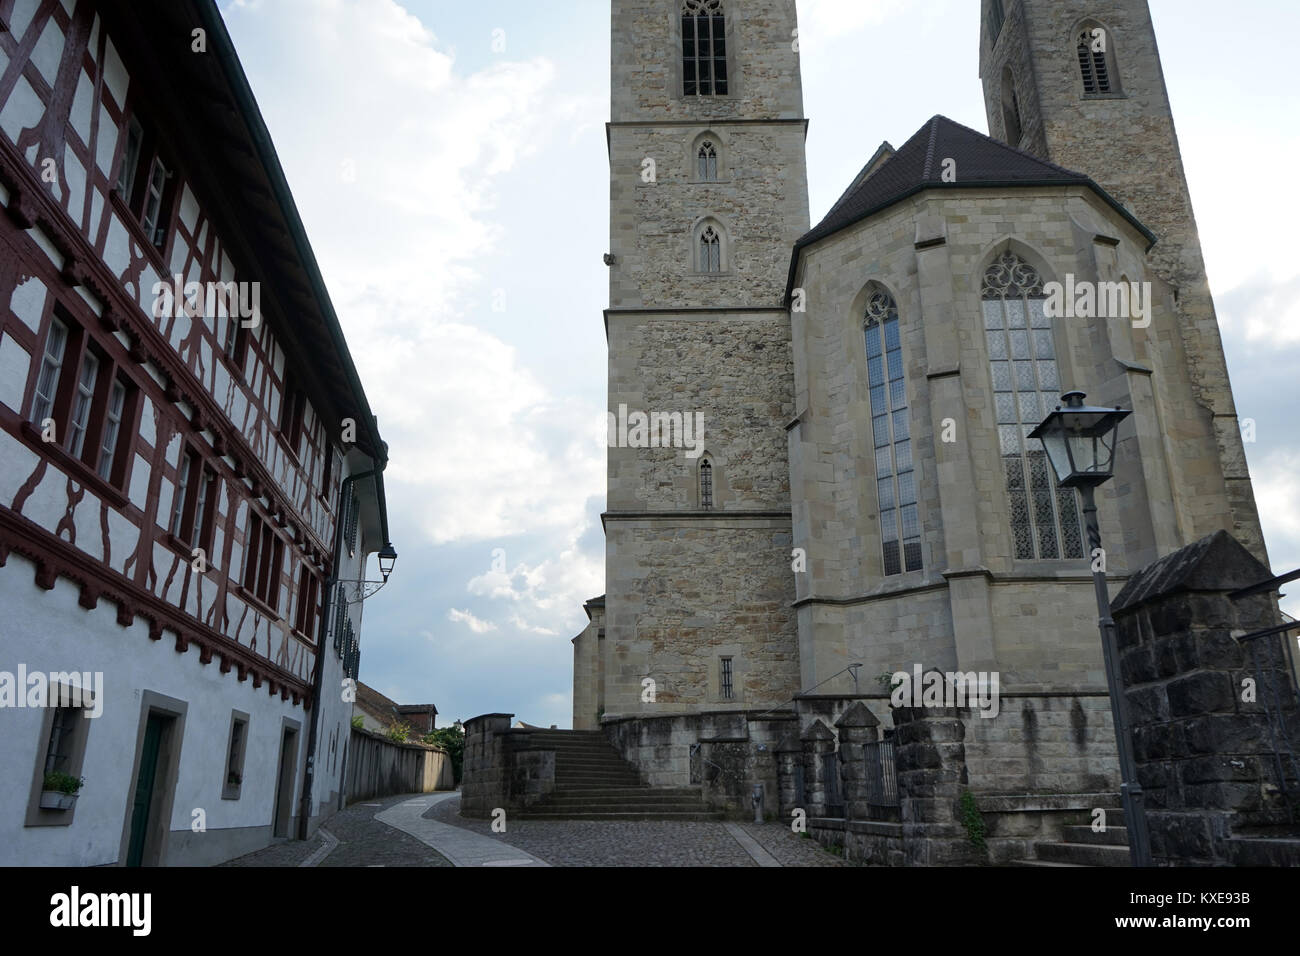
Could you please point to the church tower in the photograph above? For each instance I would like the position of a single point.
(708, 193)
(1079, 83)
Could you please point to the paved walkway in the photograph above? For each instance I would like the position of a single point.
(352, 837)
(427, 830)
(644, 843)
(461, 846)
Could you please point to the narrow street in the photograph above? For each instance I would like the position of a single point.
(427, 830)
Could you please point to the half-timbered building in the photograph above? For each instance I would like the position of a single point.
(188, 462)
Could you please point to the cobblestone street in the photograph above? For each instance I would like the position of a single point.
(657, 843)
(365, 841)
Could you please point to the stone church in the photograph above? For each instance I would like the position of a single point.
(866, 498)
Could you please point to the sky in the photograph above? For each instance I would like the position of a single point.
(448, 160)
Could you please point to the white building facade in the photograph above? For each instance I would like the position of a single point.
(184, 478)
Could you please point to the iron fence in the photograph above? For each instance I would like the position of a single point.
(882, 779)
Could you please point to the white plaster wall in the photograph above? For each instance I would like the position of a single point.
(49, 631)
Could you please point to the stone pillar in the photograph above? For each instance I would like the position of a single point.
(789, 755)
(931, 759)
(1200, 702)
(856, 726)
(485, 782)
(818, 741)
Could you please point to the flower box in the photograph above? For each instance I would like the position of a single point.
(55, 800)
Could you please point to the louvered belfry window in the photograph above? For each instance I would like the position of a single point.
(900, 524)
(1026, 386)
(704, 48)
(1092, 64)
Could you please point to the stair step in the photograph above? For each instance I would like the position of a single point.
(1044, 863)
(1084, 854)
(637, 798)
(596, 792)
(1111, 836)
(685, 816)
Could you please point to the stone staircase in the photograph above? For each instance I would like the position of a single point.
(594, 782)
(1080, 845)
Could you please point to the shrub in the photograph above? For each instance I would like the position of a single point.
(972, 820)
(398, 732)
(453, 741)
(62, 782)
(358, 721)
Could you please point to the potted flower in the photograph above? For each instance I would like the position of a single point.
(59, 791)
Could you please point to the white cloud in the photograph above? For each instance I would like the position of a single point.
(477, 625)
(395, 155)
(554, 589)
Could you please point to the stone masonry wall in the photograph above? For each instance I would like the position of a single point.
(1126, 141)
(695, 593)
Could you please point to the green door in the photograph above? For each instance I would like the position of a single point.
(144, 782)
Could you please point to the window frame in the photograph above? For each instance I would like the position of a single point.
(706, 486)
(76, 755)
(1087, 61)
(307, 611)
(136, 188)
(1005, 272)
(236, 751)
(713, 13)
(726, 678)
(69, 398)
(263, 562)
(881, 316)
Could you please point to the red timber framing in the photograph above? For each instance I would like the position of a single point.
(239, 190)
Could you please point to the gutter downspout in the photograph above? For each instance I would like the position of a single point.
(318, 678)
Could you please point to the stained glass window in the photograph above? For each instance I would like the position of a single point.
(1026, 386)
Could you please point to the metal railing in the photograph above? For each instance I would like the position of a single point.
(833, 793)
(881, 779)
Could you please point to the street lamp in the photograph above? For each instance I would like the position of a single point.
(1080, 444)
(387, 558)
(368, 589)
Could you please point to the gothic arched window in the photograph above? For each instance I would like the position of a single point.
(708, 162)
(900, 525)
(706, 485)
(710, 250)
(1096, 59)
(1026, 386)
(704, 48)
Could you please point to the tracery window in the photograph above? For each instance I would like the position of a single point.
(708, 162)
(900, 524)
(710, 250)
(706, 485)
(1026, 385)
(704, 48)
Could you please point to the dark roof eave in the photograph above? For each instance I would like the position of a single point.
(808, 239)
(224, 49)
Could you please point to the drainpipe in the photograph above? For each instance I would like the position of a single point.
(318, 678)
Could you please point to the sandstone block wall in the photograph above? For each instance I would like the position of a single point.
(1127, 142)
